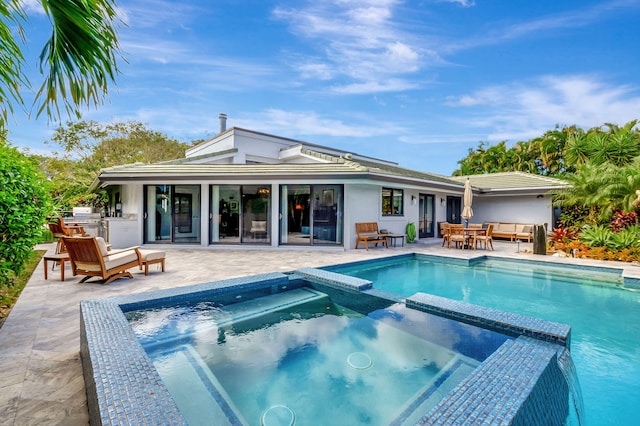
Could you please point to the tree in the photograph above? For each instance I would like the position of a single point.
(78, 61)
(557, 152)
(88, 146)
(24, 205)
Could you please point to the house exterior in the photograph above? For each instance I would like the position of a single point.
(254, 189)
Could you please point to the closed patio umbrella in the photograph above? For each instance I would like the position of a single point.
(467, 199)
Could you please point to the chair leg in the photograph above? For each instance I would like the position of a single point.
(114, 277)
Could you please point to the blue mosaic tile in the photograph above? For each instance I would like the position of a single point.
(632, 283)
(517, 385)
(501, 321)
(334, 279)
(511, 387)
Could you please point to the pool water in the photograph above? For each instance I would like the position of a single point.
(605, 318)
(298, 357)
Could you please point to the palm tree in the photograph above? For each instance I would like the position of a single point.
(77, 62)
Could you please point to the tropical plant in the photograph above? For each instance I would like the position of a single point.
(622, 220)
(626, 238)
(411, 232)
(24, 205)
(563, 235)
(78, 61)
(596, 236)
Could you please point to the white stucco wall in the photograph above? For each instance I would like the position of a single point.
(521, 209)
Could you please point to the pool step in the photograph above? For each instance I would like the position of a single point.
(456, 370)
(235, 313)
(199, 395)
(251, 309)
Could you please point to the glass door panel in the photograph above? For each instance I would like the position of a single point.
(295, 214)
(326, 208)
(157, 214)
(172, 214)
(426, 214)
(224, 214)
(311, 214)
(256, 208)
(186, 213)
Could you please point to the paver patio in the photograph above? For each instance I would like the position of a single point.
(40, 371)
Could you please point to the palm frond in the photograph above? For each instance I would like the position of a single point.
(80, 58)
(11, 58)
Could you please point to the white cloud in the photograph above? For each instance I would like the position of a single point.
(294, 123)
(361, 41)
(580, 17)
(520, 111)
(32, 6)
(463, 3)
(378, 86)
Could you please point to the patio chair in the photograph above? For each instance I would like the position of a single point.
(90, 257)
(71, 230)
(457, 236)
(258, 228)
(58, 232)
(486, 238)
(445, 233)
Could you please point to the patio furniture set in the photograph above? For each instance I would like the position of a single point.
(469, 237)
(93, 257)
(368, 233)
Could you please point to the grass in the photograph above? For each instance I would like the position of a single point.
(9, 295)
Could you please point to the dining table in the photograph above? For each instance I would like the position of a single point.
(472, 233)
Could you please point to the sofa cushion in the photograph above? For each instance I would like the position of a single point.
(506, 228)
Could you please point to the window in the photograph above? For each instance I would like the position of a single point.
(392, 202)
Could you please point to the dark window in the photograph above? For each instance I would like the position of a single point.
(392, 202)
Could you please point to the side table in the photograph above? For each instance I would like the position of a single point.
(61, 258)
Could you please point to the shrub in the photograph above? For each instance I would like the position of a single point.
(622, 220)
(24, 205)
(563, 235)
(625, 238)
(596, 236)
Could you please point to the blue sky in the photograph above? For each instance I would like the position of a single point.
(416, 82)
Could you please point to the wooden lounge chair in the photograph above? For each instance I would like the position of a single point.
(367, 233)
(90, 257)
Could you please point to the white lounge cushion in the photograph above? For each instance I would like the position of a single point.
(111, 261)
(149, 255)
(102, 245)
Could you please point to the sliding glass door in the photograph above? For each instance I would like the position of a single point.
(172, 214)
(311, 214)
(240, 214)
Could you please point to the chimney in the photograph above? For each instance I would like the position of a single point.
(223, 122)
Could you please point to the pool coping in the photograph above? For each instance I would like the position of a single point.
(123, 386)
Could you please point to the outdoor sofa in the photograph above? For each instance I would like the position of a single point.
(512, 231)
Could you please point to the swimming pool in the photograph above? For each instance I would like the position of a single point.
(523, 381)
(605, 317)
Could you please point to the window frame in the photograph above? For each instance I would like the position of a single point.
(387, 202)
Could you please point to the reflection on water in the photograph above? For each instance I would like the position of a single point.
(298, 357)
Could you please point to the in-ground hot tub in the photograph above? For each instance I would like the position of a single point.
(276, 349)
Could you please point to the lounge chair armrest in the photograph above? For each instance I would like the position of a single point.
(112, 252)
